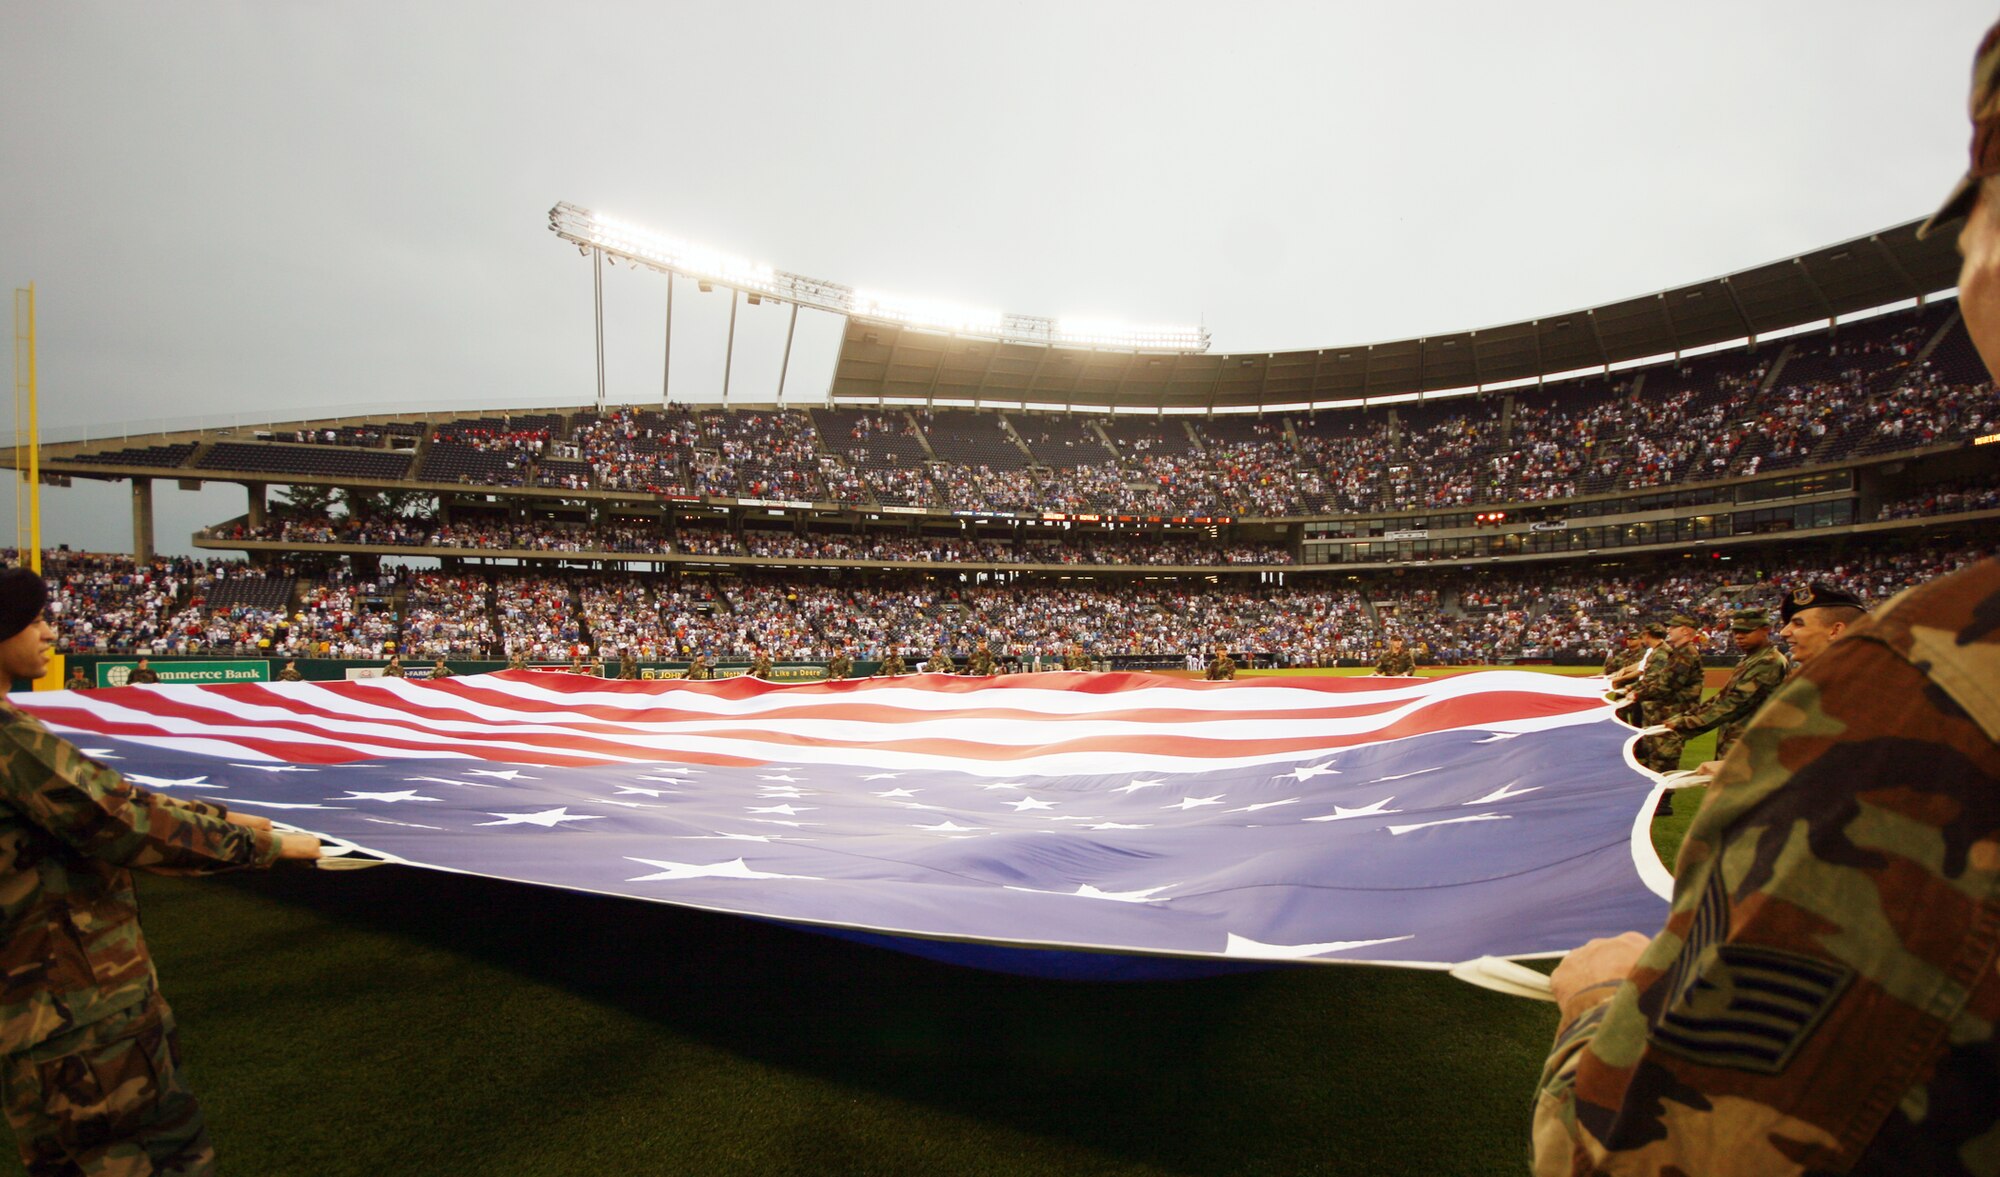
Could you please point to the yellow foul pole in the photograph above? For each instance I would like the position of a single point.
(26, 386)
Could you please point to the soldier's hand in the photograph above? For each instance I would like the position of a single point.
(249, 821)
(298, 846)
(1585, 976)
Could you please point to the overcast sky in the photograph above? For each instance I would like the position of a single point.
(274, 210)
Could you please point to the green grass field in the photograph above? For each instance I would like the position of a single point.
(408, 1022)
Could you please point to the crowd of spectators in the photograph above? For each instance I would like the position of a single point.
(1950, 498)
(447, 616)
(106, 604)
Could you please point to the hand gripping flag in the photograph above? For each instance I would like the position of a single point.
(1077, 824)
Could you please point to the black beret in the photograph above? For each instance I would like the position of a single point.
(1817, 595)
(23, 596)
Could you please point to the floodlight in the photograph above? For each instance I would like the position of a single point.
(590, 231)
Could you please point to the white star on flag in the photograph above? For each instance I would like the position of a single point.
(1027, 803)
(642, 791)
(787, 810)
(1003, 785)
(900, 793)
(438, 780)
(1340, 813)
(1449, 821)
(1135, 786)
(948, 827)
(1244, 946)
(735, 868)
(1264, 805)
(548, 818)
(404, 795)
(1186, 803)
(664, 780)
(273, 767)
(881, 776)
(1310, 771)
(505, 774)
(781, 777)
(158, 782)
(1502, 793)
(100, 753)
(1118, 825)
(1086, 891)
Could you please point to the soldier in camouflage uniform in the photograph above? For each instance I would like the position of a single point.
(1076, 658)
(1670, 685)
(1729, 710)
(698, 668)
(143, 674)
(892, 664)
(1221, 668)
(1624, 654)
(517, 660)
(628, 665)
(439, 670)
(941, 661)
(1823, 996)
(89, 1059)
(291, 672)
(982, 661)
(760, 664)
(1396, 661)
(840, 665)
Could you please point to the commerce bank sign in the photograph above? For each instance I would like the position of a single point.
(117, 674)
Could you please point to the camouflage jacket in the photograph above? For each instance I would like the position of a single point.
(892, 664)
(839, 666)
(941, 661)
(760, 666)
(1400, 665)
(982, 662)
(1077, 661)
(1671, 681)
(1621, 657)
(71, 952)
(1224, 667)
(1824, 997)
(1730, 708)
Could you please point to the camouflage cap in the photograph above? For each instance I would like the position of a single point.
(1683, 619)
(1749, 621)
(1984, 105)
(1655, 629)
(1817, 595)
(23, 596)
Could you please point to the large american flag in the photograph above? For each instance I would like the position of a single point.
(1091, 819)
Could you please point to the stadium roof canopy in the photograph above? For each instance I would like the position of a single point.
(887, 361)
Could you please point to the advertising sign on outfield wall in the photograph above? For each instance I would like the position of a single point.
(115, 674)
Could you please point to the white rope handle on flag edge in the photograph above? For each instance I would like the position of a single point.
(1504, 976)
(337, 853)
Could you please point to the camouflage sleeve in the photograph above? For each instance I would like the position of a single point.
(1736, 700)
(1655, 678)
(1824, 996)
(205, 808)
(95, 811)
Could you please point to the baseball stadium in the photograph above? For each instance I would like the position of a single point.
(982, 502)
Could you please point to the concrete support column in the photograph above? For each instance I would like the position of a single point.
(255, 515)
(142, 520)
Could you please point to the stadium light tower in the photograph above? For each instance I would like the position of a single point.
(599, 236)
